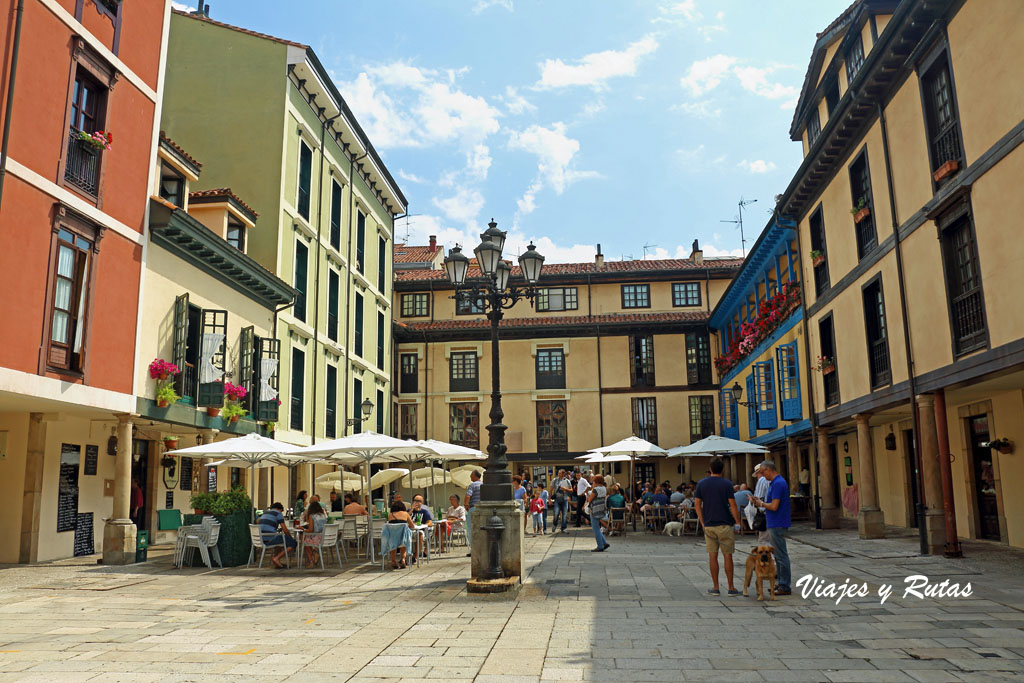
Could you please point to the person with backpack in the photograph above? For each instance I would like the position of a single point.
(597, 499)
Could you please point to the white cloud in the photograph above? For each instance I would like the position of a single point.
(686, 10)
(686, 13)
(703, 109)
(711, 251)
(594, 70)
(514, 102)
(411, 177)
(462, 207)
(757, 166)
(707, 74)
(481, 5)
(478, 162)
(401, 105)
(182, 7)
(755, 80)
(554, 151)
(592, 108)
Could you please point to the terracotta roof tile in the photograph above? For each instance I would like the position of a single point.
(413, 254)
(646, 266)
(265, 36)
(177, 148)
(224, 193)
(560, 320)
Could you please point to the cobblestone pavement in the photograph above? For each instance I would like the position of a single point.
(638, 612)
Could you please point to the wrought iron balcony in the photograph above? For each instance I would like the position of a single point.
(946, 146)
(880, 370)
(82, 166)
(969, 321)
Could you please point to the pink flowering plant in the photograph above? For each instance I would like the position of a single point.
(160, 369)
(770, 314)
(234, 392)
(97, 139)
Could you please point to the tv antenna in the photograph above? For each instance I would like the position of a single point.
(406, 217)
(646, 247)
(739, 221)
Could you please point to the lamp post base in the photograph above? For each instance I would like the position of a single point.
(511, 548)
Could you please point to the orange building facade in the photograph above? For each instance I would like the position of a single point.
(84, 81)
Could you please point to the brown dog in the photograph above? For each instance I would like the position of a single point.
(762, 561)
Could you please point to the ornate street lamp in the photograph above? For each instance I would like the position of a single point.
(737, 393)
(494, 293)
(366, 407)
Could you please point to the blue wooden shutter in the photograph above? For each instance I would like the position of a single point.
(767, 418)
(789, 381)
(730, 417)
(751, 405)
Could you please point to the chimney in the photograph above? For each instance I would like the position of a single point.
(433, 242)
(599, 258)
(697, 256)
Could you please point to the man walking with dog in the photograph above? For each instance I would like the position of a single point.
(718, 514)
(776, 507)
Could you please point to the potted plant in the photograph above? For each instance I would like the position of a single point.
(233, 411)
(860, 210)
(213, 411)
(825, 365)
(161, 370)
(166, 396)
(170, 442)
(947, 169)
(817, 257)
(232, 509)
(97, 139)
(269, 427)
(1004, 446)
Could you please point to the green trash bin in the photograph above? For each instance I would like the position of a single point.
(141, 546)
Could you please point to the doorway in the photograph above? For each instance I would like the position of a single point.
(913, 474)
(140, 474)
(984, 478)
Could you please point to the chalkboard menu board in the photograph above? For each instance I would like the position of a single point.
(169, 500)
(186, 474)
(212, 482)
(92, 458)
(83, 535)
(67, 490)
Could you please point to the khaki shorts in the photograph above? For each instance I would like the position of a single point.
(720, 537)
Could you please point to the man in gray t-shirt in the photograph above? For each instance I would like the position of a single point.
(472, 500)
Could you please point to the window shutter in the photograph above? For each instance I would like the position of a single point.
(632, 361)
(245, 357)
(767, 418)
(179, 342)
(730, 419)
(211, 392)
(752, 404)
(266, 349)
(789, 381)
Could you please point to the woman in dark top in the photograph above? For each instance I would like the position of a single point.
(399, 515)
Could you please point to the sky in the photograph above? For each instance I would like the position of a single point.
(637, 125)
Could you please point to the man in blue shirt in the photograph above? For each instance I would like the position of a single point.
(273, 529)
(776, 506)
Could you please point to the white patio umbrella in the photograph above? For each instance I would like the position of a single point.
(251, 450)
(366, 448)
(385, 477)
(460, 475)
(633, 447)
(347, 481)
(446, 452)
(716, 445)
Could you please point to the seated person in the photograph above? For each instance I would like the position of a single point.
(617, 516)
(305, 513)
(316, 521)
(677, 496)
(421, 515)
(660, 498)
(273, 529)
(397, 543)
(687, 511)
(336, 503)
(742, 496)
(352, 506)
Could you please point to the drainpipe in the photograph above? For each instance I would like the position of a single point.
(316, 280)
(426, 383)
(952, 541)
(352, 159)
(20, 11)
(908, 350)
(810, 388)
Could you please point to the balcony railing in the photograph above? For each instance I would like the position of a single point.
(831, 381)
(969, 320)
(880, 370)
(946, 146)
(821, 281)
(82, 166)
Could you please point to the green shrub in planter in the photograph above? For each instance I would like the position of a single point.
(232, 509)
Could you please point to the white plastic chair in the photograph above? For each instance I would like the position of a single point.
(184, 532)
(353, 528)
(257, 542)
(422, 545)
(205, 541)
(328, 540)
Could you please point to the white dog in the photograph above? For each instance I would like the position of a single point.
(674, 529)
